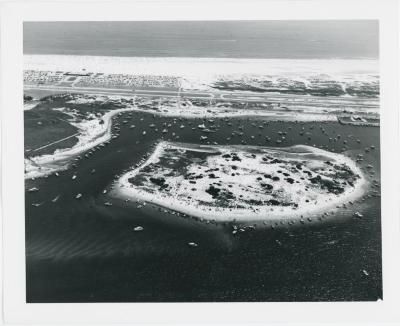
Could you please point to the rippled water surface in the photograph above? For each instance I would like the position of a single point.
(79, 250)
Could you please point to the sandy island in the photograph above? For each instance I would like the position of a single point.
(243, 183)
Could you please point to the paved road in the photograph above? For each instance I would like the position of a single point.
(282, 99)
(120, 91)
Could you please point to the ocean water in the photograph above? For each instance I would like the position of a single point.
(329, 39)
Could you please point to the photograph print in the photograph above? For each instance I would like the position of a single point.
(202, 161)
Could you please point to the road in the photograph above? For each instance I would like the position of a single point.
(123, 92)
(282, 99)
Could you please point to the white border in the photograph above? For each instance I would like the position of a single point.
(15, 308)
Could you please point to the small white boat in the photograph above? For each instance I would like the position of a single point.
(37, 204)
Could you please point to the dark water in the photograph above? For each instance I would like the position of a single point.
(327, 39)
(83, 251)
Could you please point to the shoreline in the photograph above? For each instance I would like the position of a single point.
(178, 66)
(44, 165)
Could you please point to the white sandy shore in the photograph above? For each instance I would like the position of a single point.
(92, 134)
(178, 201)
(174, 66)
(30, 105)
(273, 115)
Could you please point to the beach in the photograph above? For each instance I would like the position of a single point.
(178, 66)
